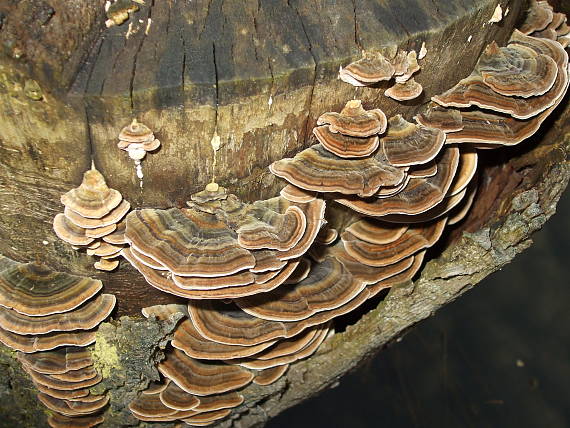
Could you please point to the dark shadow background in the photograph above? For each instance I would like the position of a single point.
(499, 356)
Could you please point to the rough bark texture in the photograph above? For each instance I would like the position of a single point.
(46, 144)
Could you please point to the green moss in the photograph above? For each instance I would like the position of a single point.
(106, 357)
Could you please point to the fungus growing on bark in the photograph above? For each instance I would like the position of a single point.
(85, 317)
(137, 139)
(91, 217)
(271, 375)
(418, 196)
(55, 420)
(406, 66)
(319, 170)
(202, 378)
(328, 286)
(475, 91)
(408, 144)
(220, 247)
(58, 361)
(539, 15)
(286, 351)
(34, 290)
(373, 67)
(408, 90)
(192, 343)
(354, 120)
(413, 240)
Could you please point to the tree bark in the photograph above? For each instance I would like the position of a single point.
(211, 67)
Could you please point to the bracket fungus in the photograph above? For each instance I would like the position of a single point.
(220, 247)
(372, 68)
(92, 219)
(48, 317)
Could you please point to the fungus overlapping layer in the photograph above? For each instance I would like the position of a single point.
(92, 219)
(202, 376)
(373, 67)
(137, 139)
(48, 317)
(220, 247)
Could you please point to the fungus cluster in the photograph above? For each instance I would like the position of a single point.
(49, 317)
(221, 248)
(92, 220)
(137, 139)
(508, 96)
(374, 67)
(201, 378)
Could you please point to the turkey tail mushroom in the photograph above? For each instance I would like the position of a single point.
(92, 219)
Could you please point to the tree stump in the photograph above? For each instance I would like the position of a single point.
(256, 74)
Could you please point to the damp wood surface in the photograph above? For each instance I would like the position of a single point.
(257, 74)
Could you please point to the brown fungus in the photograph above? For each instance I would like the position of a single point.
(56, 420)
(85, 317)
(355, 121)
(538, 17)
(373, 67)
(328, 286)
(201, 377)
(309, 349)
(58, 361)
(48, 341)
(271, 375)
(319, 170)
(137, 139)
(418, 196)
(345, 146)
(93, 198)
(192, 343)
(415, 239)
(35, 290)
(176, 398)
(187, 242)
(473, 91)
(517, 70)
(408, 90)
(408, 144)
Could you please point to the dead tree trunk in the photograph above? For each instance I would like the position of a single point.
(257, 74)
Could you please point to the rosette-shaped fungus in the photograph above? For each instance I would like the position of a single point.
(517, 87)
(137, 139)
(92, 219)
(220, 247)
(195, 391)
(48, 317)
(372, 68)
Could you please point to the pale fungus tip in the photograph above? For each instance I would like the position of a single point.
(212, 187)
